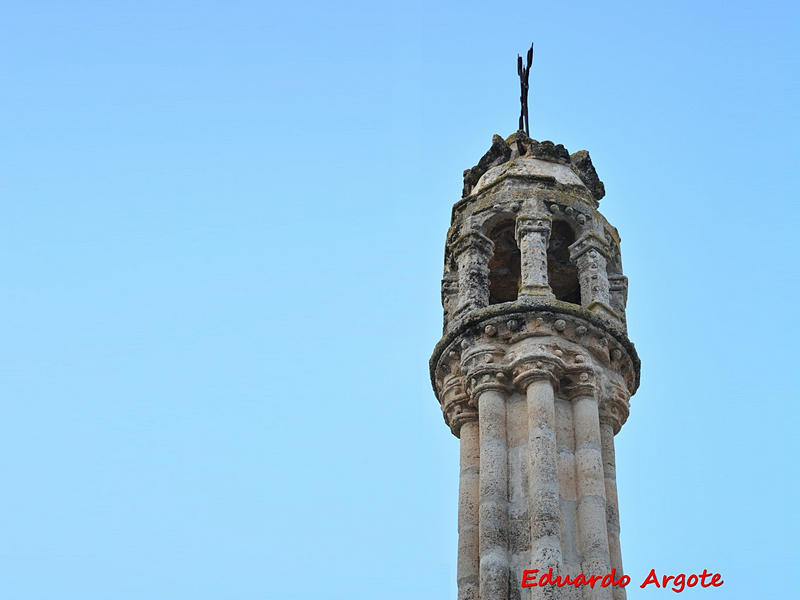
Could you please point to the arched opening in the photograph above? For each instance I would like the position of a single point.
(504, 267)
(561, 272)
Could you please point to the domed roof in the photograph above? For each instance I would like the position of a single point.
(522, 156)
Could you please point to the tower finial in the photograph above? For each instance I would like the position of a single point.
(523, 73)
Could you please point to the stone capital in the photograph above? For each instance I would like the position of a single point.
(618, 283)
(472, 240)
(614, 409)
(579, 383)
(457, 408)
(531, 224)
(483, 370)
(538, 367)
(487, 379)
(588, 242)
(460, 416)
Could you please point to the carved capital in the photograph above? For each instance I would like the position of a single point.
(530, 224)
(472, 240)
(618, 283)
(456, 406)
(615, 408)
(483, 370)
(579, 383)
(540, 365)
(458, 413)
(488, 378)
(588, 242)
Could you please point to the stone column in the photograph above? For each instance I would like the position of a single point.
(468, 502)
(538, 379)
(588, 253)
(532, 235)
(493, 513)
(472, 252)
(589, 475)
(613, 413)
(567, 488)
(449, 295)
(462, 417)
(618, 288)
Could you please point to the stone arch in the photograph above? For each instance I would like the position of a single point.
(562, 273)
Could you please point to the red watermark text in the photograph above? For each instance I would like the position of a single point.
(677, 583)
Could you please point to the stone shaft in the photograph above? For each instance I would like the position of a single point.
(612, 503)
(472, 257)
(532, 234)
(544, 486)
(493, 514)
(591, 490)
(468, 502)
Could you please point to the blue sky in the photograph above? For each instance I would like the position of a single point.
(221, 236)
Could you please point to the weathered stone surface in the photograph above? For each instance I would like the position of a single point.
(583, 164)
(534, 371)
(497, 154)
(468, 503)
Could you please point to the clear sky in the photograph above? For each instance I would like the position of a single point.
(221, 236)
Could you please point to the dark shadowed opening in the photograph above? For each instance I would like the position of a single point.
(561, 273)
(504, 266)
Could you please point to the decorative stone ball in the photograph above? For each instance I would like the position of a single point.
(616, 354)
(581, 330)
(513, 324)
(490, 330)
(560, 325)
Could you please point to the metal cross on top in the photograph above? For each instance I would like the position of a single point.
(523, 84)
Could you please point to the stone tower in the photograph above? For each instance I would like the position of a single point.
(534, 371)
